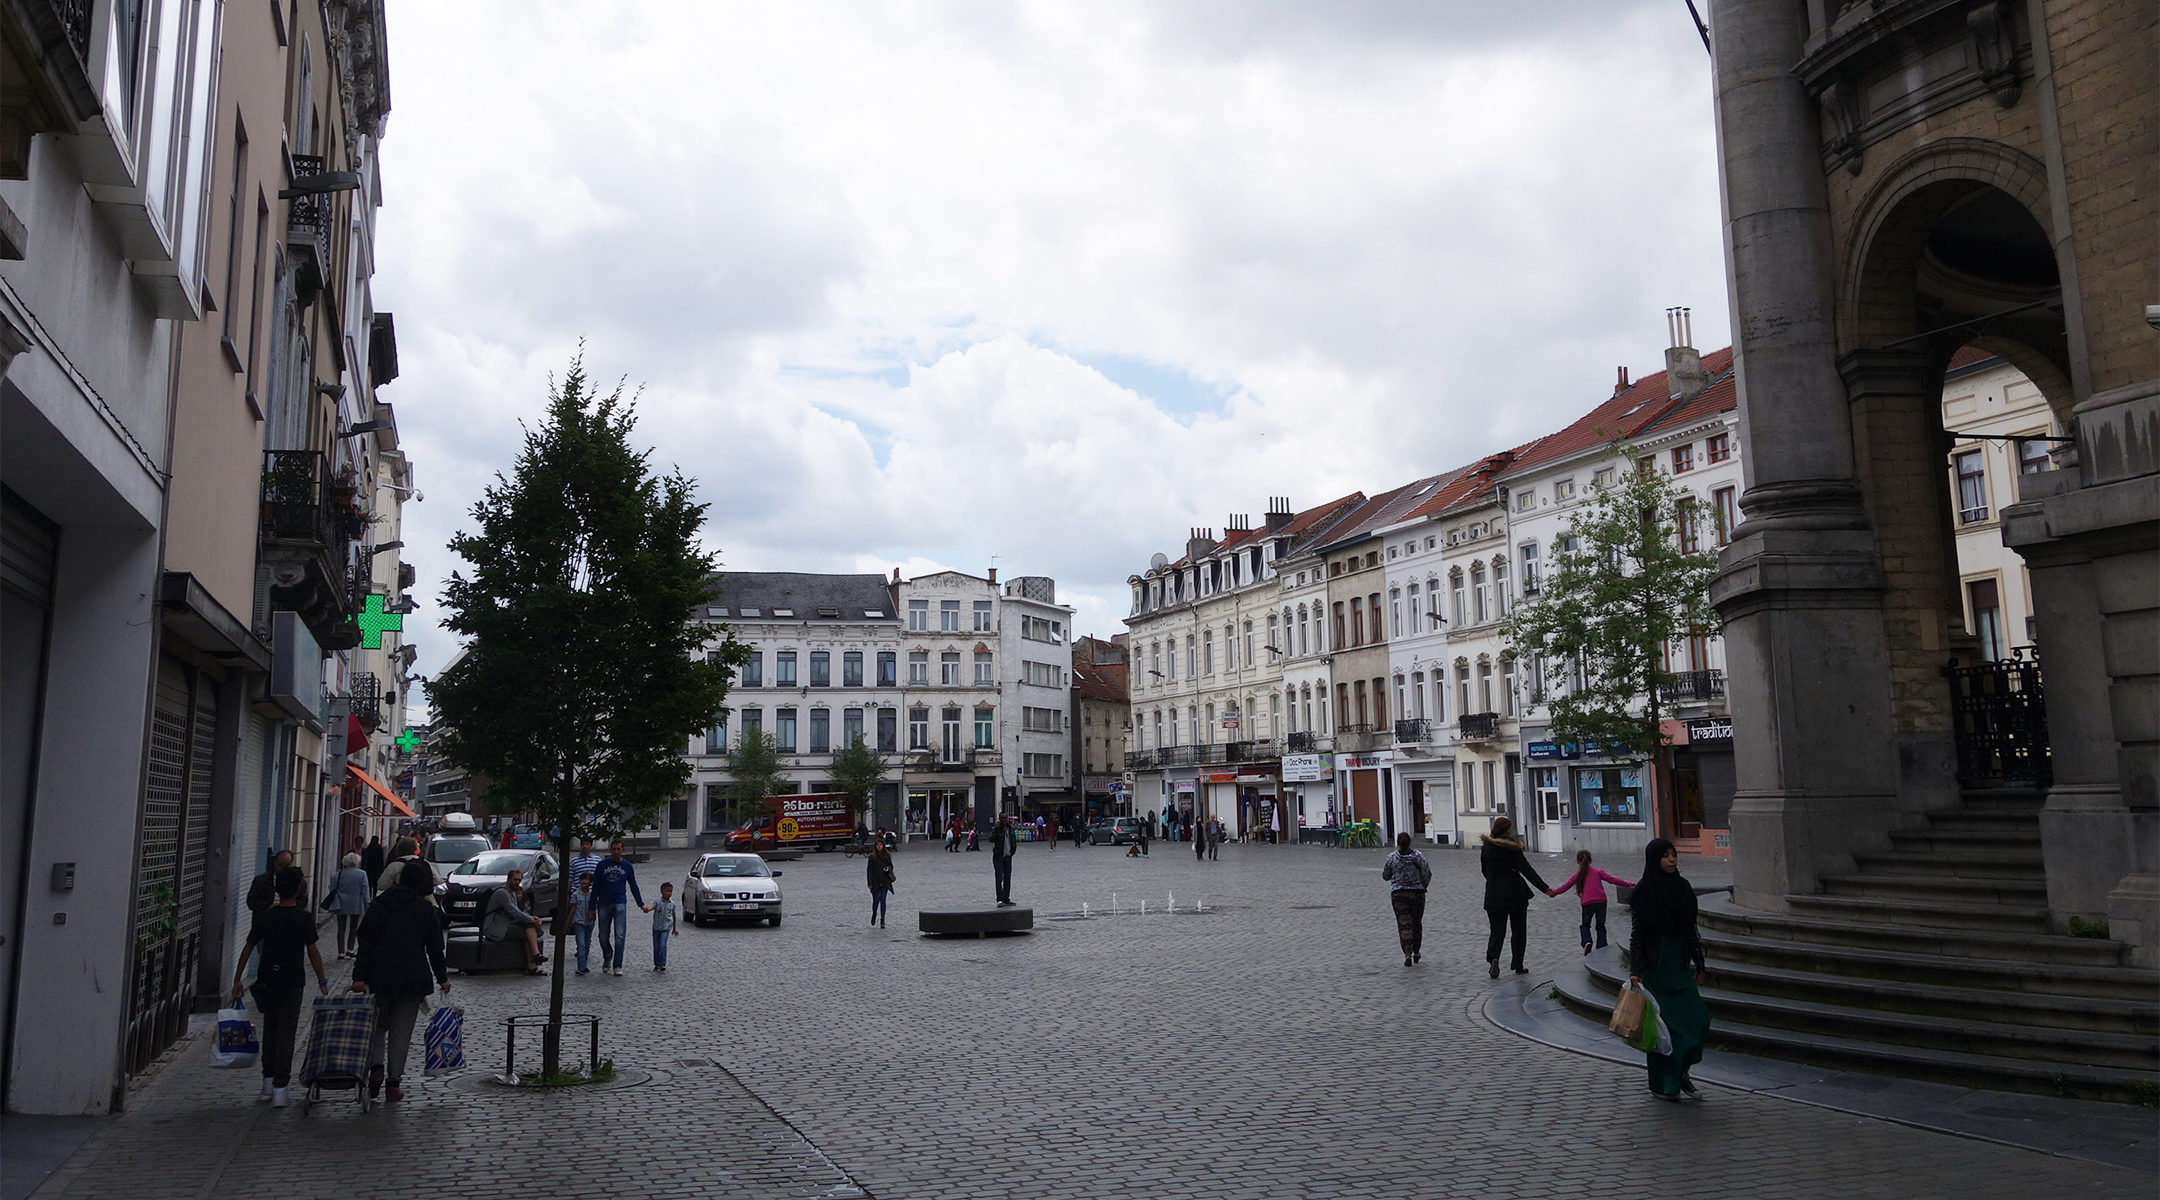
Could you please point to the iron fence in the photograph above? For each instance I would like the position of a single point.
(1999, 721)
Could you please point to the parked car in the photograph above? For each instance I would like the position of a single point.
(526, 837)
(731, 887)
(446, 850)
(1117, 831)
(465, 890)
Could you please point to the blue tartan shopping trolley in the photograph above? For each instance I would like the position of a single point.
(337, 1049)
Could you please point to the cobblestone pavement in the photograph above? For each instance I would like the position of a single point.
(1272, 1045)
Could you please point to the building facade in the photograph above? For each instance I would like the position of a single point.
(1101, 726)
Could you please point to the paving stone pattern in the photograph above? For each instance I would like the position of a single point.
(1271, 1046)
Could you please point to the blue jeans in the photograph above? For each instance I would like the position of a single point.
(584, 945)
(877, 905)
(1594, 912)
(659, 947)
(614, 923)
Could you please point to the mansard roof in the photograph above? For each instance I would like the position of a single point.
(1100, 682)
(806, 595)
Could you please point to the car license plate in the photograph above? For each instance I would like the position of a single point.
(751, 906)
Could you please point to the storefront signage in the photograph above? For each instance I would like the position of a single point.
(1183, 787)
(1555, 750)
(1307, 768)
(1712, 729)
(1354, 762)
(1223, 777)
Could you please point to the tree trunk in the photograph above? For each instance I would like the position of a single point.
(551, 1037)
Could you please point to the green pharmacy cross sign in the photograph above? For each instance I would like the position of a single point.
(409, 741)
(375, 620)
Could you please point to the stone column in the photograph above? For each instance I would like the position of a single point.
(1899, 446)
(1800, 587)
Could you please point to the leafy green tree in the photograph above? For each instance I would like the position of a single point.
(1611, 603)
(584, 675)
(758, 785)
(856, 772)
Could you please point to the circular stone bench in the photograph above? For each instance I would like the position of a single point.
(978, 922)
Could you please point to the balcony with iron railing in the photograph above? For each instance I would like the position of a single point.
(1693, 687)
(1478, 727)
(1305, 741)
(364, 692)
(308, 523)
(307, 231)
(1413, 729)
(1357, 738)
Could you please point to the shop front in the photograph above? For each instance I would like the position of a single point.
(931, 808)
(1368, 784)
(1308, 790)
(1427, 787)
(1703, 784)
(1259, 805)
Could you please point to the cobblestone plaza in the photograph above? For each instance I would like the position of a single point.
(1271, 1044)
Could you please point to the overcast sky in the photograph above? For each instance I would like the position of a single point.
(1038, 286)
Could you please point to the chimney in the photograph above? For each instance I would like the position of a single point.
(1198, 542)
(1683, 363)
(896, 575)
(993, 577)
(1278, 512)
(1622, 385)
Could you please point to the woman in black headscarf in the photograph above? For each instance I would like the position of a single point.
(1666, 960)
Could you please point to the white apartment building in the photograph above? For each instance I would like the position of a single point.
(1308, 758)
(1421, 550)
(823, 669)
(1990, 407)
(1564, 796)
(1035, 639)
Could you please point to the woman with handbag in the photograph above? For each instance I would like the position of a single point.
(881, 877)
(1665, 956)
(348, 898)
(1507, 897)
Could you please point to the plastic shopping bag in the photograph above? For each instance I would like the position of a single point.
(233, 1043)
(1653, 1038)
(446, 1040)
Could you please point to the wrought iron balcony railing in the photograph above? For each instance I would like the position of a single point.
(1305, 741)
(1693, 687)
(365, 692)
(1478, 727)
(1413, 729)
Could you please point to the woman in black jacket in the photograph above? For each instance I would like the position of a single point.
(400, 961)
(1507, 897)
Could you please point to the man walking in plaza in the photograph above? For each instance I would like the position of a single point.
(1004, 840)
(611, 879)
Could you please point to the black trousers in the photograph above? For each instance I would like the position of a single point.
(1504, 921)
(281, 1025)
(1003, 867)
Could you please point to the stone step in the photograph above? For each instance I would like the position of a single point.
(1970, 1034)
(1968, 820)
(1590, 996)
(2138, 1017)
(1929, 840)
(1943, 889)
(1956, 864)
(2017, 800)
(1944, 914)
(1942, 970)
(2013, 945)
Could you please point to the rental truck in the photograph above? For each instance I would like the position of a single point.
(814, 821)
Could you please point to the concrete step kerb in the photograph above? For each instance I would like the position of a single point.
(976, 922)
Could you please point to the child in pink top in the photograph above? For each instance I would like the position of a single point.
(1591, 881)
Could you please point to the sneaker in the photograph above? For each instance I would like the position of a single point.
(1492, 967)
(267, 1088)
(374, 1082)
(583, 971)
(1586, 947)
(281, 1097)
(393, 1094)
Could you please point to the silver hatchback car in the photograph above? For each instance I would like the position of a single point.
(731, 887)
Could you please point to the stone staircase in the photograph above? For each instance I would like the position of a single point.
(1931, 959)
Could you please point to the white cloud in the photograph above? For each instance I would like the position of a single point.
(864, 257)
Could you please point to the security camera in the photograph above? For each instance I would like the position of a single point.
(2152, 315)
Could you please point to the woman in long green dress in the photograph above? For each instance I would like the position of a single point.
(1666, 957)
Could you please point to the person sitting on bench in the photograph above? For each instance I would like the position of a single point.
(507, 920)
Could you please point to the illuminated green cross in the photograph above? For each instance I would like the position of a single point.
(409, 741)
(375, 620)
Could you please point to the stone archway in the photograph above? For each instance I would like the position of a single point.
(1948, 251)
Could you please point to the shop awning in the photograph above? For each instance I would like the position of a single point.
(380, 790)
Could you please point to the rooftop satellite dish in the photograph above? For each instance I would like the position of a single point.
(1158, 562)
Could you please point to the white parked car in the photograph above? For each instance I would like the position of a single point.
(731, 887)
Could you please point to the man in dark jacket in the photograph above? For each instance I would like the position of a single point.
(372, 859)
(1004, 842)
(262, 893)
(400, 961)
(1507, 897)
